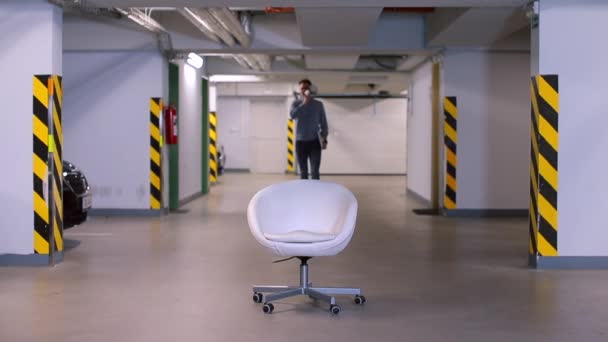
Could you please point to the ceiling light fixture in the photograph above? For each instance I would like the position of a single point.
(195, 60)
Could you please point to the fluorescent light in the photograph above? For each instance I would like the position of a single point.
(212, 98)
(236, 78)
(195, 60)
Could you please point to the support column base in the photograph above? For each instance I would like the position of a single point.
(8, 260)
(569, 262)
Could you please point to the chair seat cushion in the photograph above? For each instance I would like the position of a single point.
(299, 236)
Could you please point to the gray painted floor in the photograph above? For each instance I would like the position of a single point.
(187, 277)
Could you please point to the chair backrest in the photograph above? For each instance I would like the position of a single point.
(311, 205)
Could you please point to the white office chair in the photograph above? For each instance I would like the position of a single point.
(303, 219)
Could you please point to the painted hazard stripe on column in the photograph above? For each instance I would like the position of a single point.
(545, 103)
(155, 154)
(213, 147)
(533, 216)
(290, 146)
(40, 162)
(57, 94)
(450, 111)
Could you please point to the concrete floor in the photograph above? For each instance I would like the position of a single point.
(187, 277)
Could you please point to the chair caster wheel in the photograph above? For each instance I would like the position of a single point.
(335, 309)
(359, 300)
(268, 308)
(257, 297)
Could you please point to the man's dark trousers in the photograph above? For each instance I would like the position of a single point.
(309, 150)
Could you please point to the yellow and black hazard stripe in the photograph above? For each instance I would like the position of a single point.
(57, 151)
(213, 147)
(533, 216)
(155, 153)
(450, 111)
(545, 105)
(290, 146)
(40, 162)
(47, 132)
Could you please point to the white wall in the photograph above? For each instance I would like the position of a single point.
(106, 122)
(534, 46)
(366, 136)
(352, 123)
(110, 35)
(32, 44)
(233, 131)
(255, 89)
(492, 91)
(252, 130)
(190, 131)
(268, 135)
(419, 132)
(582, 162)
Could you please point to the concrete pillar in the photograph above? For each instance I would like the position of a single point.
(190, 133)
(213, 143)
(174, 148)
(31, 45)
(485, 110)
(569, 93)
(205, 136)
(212, 97)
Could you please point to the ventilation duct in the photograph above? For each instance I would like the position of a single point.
(223, 26)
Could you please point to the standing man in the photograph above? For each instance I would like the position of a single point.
(311, 130)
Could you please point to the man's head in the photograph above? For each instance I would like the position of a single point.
(304, 84)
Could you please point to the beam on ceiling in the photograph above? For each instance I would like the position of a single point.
(227, 66)
(394, 34)
(309, 3)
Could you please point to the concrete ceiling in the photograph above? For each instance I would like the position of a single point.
(474, 26)
(343, 62)
(344, 45)
(309, 3)
(336, 26)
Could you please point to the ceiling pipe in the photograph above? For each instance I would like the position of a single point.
(252, 61)
(241, 30)
(231, 23)
(142, 19)
(265, 61)
(198, 23)
(239, 59)
(84, 8)
(162, 35)
(277, 10)
(223, 25)
(246, 23)
(216, 27)
(246, 61)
